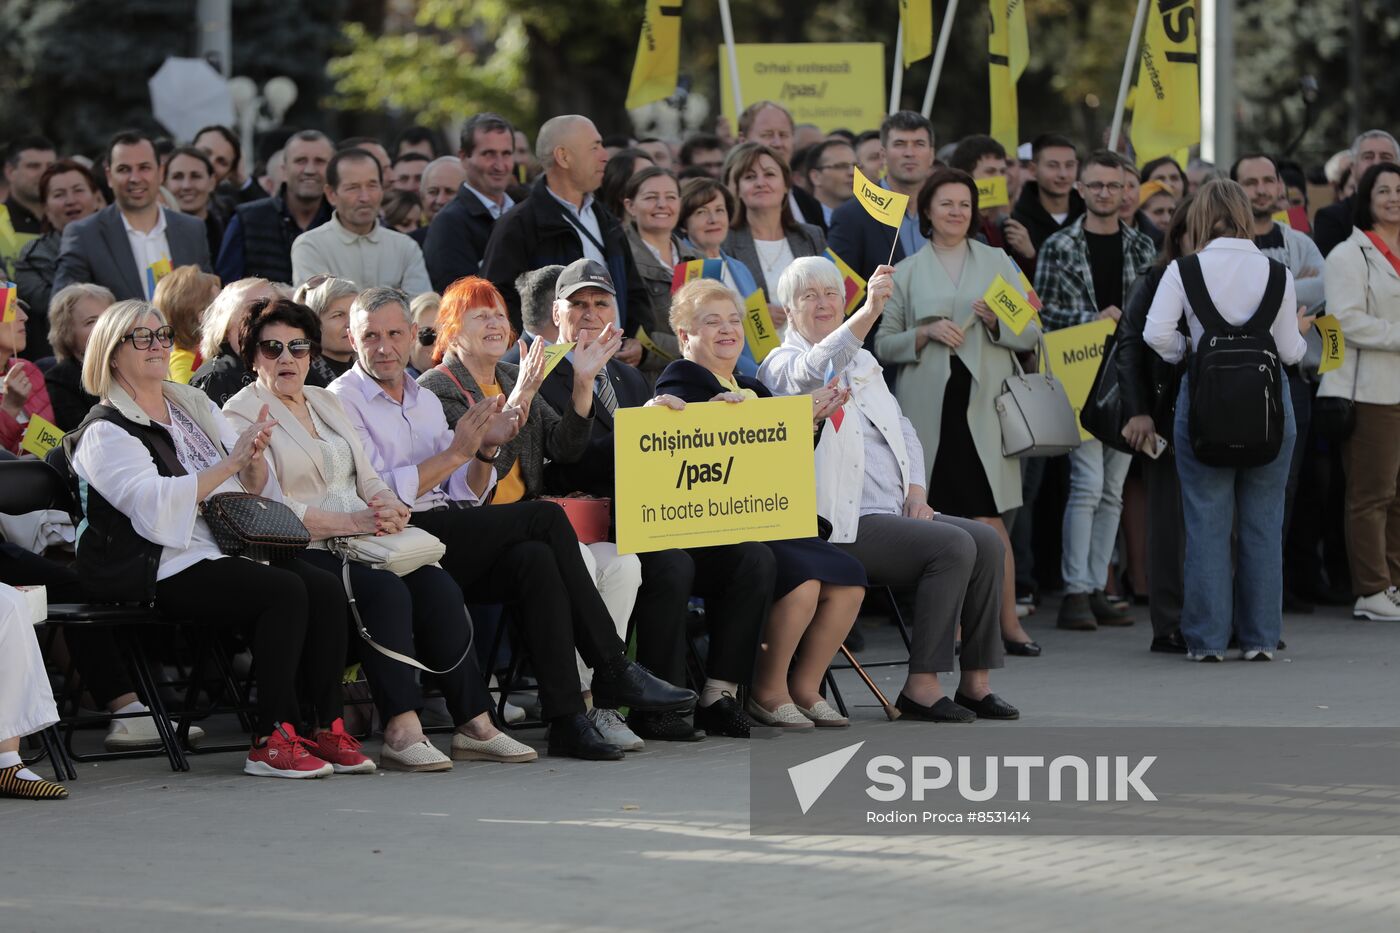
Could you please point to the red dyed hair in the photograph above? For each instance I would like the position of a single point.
(462, 296)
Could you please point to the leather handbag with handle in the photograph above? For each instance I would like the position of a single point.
(1037, 419)
(1102, 414)
(255, 527)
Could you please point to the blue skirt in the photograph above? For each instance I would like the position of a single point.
(801, 559)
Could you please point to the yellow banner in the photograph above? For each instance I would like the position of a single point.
(1020, 40)
(40, 437)
(1334, 345)
(650, 346)
(716, 473)
(991, 192)
(654, 74)
(1075, 354)
(1007, 302)
(1005, 117)
(917, 16)
(831, 84)
(1167, 108)
(759, 331)
(884, 205)
(553, 354)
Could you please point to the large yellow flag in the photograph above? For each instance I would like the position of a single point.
(658, 54)
(1008, 51)
(917, 16)
(1167, 111)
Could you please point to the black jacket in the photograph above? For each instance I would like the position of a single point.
(1032, 215)
(1149, 383)
(536, 233)
(265, 232)
(593, 473)
(810, 208)
(457, 240)
(1333, 224)
(71, 402)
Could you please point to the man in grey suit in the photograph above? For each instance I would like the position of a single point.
(129, 245)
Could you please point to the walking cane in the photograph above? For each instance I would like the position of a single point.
(890, 712)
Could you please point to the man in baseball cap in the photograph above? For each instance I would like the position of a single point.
(583, 273)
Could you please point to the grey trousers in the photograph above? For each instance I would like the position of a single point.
(956, 564)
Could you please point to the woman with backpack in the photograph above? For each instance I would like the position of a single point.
(1234, 428)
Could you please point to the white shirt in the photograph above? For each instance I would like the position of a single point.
(148, 249)
(774, 256)
(380, 257)
(584, 216)
(1236, 275)
(507, 202)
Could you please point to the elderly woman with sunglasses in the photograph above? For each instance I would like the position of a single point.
(870, 486)
(149, 455)
(329, 482)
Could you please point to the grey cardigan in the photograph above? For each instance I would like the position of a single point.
(804, 239)
(546, 434)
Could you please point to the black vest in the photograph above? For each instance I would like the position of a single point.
(268, 232)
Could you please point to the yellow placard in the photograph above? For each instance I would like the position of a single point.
(654, 73)
(650, 346)
(1014, 310)
(1334, 345)
(1075, 354)
(884, 205)
(831, 84)
(553, 354)
(991, 192)
(1167, 106)
(40, 437)
(716, 473)
(759, 331)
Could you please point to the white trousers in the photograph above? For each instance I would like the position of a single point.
(618, 577)
(26, 700)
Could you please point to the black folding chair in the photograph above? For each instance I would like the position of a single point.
(899, 622)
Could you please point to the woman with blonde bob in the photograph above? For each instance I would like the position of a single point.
(182, 296)
(1217, 499)
(818, 589)
(73, 313)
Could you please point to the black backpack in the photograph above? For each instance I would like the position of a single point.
(1237, 386)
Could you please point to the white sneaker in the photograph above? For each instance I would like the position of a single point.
(1207, 656)
(140, 732)
(1023, 610)
(1256, 654)
(1378, 607)
(615, 731)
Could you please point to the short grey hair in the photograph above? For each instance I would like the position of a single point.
(106, 339)
(806, 272)
(552, 134)
(1372, 134)
(439, 162)
(320, 298)
(221, 312)
(308, 136)
(61, 308)
(536, 289)
(372, 299)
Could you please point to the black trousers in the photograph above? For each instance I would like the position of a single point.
(527, 554)
(1166, 544)
(420, 615)
(298, 616)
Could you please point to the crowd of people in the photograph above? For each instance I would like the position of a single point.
(359, 332)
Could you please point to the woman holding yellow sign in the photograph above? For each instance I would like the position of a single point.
(951, 355)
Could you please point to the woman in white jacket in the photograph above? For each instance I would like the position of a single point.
(869, 486)
(26, 700)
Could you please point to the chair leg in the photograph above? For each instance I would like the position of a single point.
(836, 693)
(899, 619)
(148, 684)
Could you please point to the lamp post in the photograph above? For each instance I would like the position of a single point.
(259, 111)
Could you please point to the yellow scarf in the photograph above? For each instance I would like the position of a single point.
(731, 385)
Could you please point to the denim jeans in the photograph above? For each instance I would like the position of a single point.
(1216, 500)
(1096, 475)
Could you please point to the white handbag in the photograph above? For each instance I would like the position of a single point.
(1037, 419)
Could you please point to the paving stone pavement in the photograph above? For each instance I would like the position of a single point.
(660, 841)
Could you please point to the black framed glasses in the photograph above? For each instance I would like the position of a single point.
(272, 349)
(427, 336)
(142, 337)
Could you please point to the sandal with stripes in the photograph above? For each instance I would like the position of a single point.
(12, 785)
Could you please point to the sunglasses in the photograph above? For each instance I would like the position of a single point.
(142, 337)
(427, 336)
(272, 349)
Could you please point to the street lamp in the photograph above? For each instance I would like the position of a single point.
(256, 111)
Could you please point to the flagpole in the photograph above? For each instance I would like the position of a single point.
(939, 53)
(1128, 63)
(728, 26)
(897, 79)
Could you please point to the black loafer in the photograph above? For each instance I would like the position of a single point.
(663, 727)
(990, 706)
(945, 710)
(1022, 649)
(621, 682)
(1169, 644)
(724, 717)
(575, 736)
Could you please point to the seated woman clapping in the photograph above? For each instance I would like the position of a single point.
(870, 476)
(148, 456)
(329, 482)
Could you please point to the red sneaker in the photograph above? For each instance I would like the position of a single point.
(342, 750)
(285, 755)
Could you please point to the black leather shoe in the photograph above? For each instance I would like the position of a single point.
(724, 717)
(621, 682)
(663, 727)
(945, 710)
(990, 706)
(1169, 644)
(574, 736)
(1023, 649)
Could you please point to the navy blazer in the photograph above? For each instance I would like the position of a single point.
(96, 249)
(862, 242)
(457, 239)
(691, 382)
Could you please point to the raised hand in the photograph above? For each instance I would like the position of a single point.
(879, 289)
(253, 441)
(532, 363)
(590, 356)
(17, 389)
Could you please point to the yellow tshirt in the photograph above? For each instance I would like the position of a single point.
(181, 365)
(511, 487)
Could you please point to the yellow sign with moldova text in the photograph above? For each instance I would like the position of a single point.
(40, 437)
(1334, 345)
(831, 84)
(991, 192)
(553, 354)
(884, 205)
(716, 473)
(1075, 354)
(1014, 310)
(759, 331)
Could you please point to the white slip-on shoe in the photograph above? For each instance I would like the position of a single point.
(420, 756)
(1257, 654)
(140, 732)
(787, 716)
(1378, 607)
(499, 747)
(615, 731)
(822, 714)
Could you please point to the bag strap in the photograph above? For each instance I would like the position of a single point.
(584, 231)
(1269, 305)
(447, 371)
(1198, 296)
(389, 652)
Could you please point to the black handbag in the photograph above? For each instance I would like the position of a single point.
(1102, 414)
(245, 525)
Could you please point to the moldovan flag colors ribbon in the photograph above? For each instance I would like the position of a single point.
(1008, 53)
(696, 269)
(1167, 104)
(884, 205)
(654, 74)
(853, 284)
(918, 29)
(9, 302)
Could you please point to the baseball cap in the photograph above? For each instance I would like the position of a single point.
(583, 273)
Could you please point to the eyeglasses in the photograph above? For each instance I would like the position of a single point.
(839, 166)
(1114, 187)
(272, 349)
(427, 336)
(142, 337)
